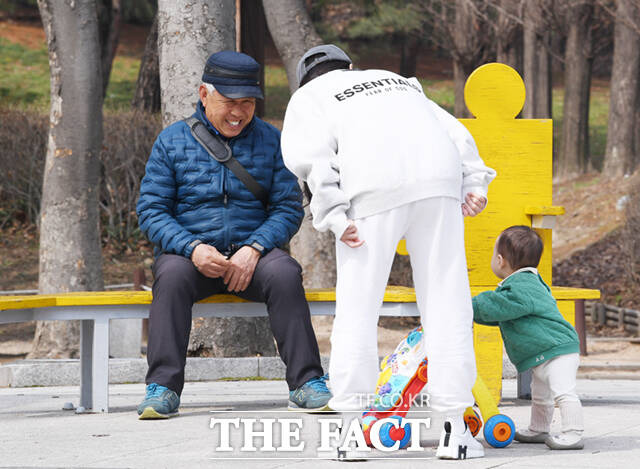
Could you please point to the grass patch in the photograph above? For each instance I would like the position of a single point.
(25, 81)
(440, 91)
(276, 92)
(122, 84)
(24, 76)
(598, 121)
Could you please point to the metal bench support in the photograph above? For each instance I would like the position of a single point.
(86, 363)
(94, 364)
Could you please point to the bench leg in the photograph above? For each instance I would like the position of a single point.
(100, 365)
(580, 326)
(524, 385)
(86, 363)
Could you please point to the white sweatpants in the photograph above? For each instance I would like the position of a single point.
(434, 231)
(554, 382)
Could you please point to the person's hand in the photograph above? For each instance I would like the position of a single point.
(241, 267)
(350, 236)
(473, 204)
(209, 261)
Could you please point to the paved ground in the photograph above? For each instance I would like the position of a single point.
(36, 432)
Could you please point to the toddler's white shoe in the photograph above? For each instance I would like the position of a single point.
(458, 445)
(565, 440)
(528, 436)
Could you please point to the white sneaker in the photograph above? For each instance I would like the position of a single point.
(565, 440)
(458, 446)
(529, 436)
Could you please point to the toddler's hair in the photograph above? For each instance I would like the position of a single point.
(520, 246)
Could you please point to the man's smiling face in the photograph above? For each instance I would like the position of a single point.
(228, 116)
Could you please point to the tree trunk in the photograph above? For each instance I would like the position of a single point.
(636, 138)
(619, 157)
(460, 75)
(544, 81)
(293, 34)
(147, 95)
(537, 62)
(109, 15)
(70, 252)
(292, 31)
(409, 56)
(530, 63)
(188, 32)
(574, 145)
(253, 33)
(316, 254)
(468, 49)
(509, 40)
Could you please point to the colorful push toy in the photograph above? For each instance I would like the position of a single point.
(403, 375)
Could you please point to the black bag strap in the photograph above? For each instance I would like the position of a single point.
(221, 151)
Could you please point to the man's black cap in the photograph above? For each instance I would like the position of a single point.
(233, 74)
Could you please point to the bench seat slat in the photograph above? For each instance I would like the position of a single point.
(26, 301)
(544, 210)
(393, 294)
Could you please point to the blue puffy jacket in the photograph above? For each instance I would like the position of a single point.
(186, 196)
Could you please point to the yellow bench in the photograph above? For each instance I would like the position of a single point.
(519, 150)
(96, 309)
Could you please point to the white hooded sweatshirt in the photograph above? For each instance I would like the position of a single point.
(367, 141)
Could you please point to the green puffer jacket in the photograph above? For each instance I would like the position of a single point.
(531, 325)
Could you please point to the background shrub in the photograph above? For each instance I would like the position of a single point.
(128, 138)
(23, 138)
(630, 238)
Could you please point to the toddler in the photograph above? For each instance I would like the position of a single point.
(535, 336)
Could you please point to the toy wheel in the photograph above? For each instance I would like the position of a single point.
(422, 373)
(390, 434)
(474, 422)
(499, 431)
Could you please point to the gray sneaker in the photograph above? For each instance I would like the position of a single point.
(312, 396)
(160, 402)
(528, 436)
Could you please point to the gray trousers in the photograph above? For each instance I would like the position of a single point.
(277, 281)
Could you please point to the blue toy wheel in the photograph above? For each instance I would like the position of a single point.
(389, 434)
(499, 431)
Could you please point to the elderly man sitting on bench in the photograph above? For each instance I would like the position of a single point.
(218, 225)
